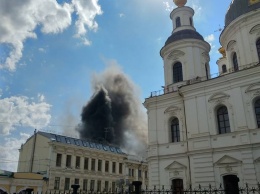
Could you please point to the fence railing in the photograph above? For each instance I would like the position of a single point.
(198, 190)
(173, 88)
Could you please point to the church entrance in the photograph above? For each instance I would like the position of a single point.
(177, 186)
(231, 184)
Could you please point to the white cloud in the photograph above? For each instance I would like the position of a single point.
(9, 153)
(19, 110)
(42, 50)
(20, 19)
(86, 12)
(167, 6)
(121, 15)
(210, 38)
(41, 97)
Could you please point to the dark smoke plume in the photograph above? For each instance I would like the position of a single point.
(114, 113)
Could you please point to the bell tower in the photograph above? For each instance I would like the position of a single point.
(185, 53)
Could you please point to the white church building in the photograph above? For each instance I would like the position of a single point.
(205, 130)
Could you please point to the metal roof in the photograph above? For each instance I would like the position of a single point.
(238, 8)
(82, 143)
(183, 34)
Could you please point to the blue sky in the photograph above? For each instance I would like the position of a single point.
(49, 54)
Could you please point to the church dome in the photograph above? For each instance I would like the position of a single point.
(183, 34)
(240, 7)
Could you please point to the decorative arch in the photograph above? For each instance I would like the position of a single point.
(231, 45)
(172, 109)
(255, 29)
(3, 190)
(219, 97)
(175, 54)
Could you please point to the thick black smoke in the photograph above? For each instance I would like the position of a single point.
(114, 113)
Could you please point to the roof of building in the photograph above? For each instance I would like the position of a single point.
(240, 7)
(183, 34)
(82, 142)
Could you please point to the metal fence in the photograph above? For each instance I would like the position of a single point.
(199, 190)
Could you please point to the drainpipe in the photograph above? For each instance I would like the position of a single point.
(33, 150)
(185, 121)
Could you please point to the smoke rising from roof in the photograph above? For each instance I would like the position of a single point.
(114, 113)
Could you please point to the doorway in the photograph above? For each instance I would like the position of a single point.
(231, 184)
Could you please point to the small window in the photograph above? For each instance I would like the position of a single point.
(76, 181)
(85, 143)
(92, 185)
(57, 183)
(107, 166)
(223, 120)
(177, 186)
(113, 186)
(139, 173)
(93, 164)
(99, 165)
(258, 48)
(175, 131)
(191, 22)
(76, 142)
(98, 185)
(67, 140)
(177, 72)
(118, 150)
(85, 163)
(235, 62)
(257, 112)
(67, 184)
(68, 161)
(98, 146)
(114, 167)
(120, 168)
(112, 149)
(78, 162)
(58, 160)
(207, 71)
(224, 68)
(85, 184)
(92, 145)
(105, 148)
(178, 22)
(106, 185)
(57, 138)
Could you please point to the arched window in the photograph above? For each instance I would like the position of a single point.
(177, 72)
(235, 63)
(207, 71)
(178, 22)
(224, 68)
(258, 48)
(175, 130)
(257, 112)
(223, 120)
(177, 186)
